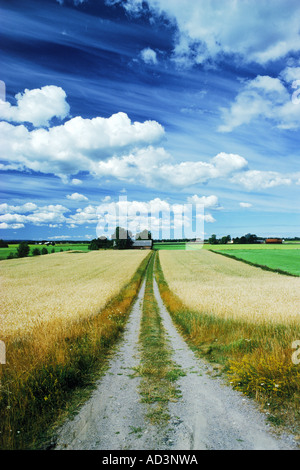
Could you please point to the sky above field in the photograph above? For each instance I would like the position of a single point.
(149, 105)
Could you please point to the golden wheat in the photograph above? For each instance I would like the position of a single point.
(61, 288)
(209, 283)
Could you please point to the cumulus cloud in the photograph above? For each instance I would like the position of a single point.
(23, 209)
(36, 106)
(245, 204)
(77, 145)
(134, 167)
(88, 215)
(32, 214)
(5, 226)
(207, 30)
(255, 179)
(149, 56)
(208, 202)
(266, 98)
(77, 197)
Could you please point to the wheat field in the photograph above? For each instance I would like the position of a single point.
(60, 315)
(212, 284)
(60, 288)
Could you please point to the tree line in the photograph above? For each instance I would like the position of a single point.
(249, 238)
(23, 250)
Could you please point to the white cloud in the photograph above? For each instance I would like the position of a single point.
(266, 98)
(149, 56)
(157, 173)
(77, 145)
(23, 209)
(207, 30)
(77, 197)
(61, 237)
(245, 204)
(83, 216)
(254, 179)
(51, 214)
(4, 225)
(36, 106)
(207, 218)
(206, 201)
(76, 182)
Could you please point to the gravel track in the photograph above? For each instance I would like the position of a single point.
(209, 415)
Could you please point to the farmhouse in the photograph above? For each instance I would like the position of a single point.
(142, 245)
(274, 240)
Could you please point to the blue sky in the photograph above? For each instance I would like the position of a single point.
(164, 102)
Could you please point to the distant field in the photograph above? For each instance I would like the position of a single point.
(4, 252)
(259, 246)
(287, 260)
(169, 246)
(206, 246)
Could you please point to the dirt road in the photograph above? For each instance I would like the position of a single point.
(208, 415)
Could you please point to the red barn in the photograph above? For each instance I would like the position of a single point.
(274, 240)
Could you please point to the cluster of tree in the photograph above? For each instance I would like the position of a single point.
(23, 251)
(249, 238)
(100, 243)
(213, 240)
(3, 244)
(43, 251)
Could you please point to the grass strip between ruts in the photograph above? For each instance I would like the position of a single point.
(158, 371)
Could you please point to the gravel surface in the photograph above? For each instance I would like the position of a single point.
(209, 414)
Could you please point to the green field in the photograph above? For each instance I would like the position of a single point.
(229, 247)
(169, 246)
(285, 259)
(4, 252)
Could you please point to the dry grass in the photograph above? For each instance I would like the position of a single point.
(209, 283)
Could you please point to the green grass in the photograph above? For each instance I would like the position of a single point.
(229, 247)
(169, 246)
(260, 246)
(4, 252)
(282, 260)
(158, 371)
